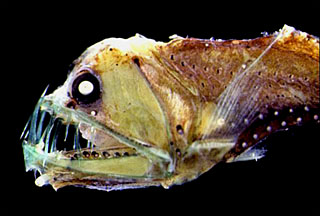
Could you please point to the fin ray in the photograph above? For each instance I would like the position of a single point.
(230, 116)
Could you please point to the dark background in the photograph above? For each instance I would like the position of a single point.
(41, 41)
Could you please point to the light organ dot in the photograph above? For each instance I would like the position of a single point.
(85, 87)
(269, 128)
(255, 136)
(283, 123)
(315, 117)
(246, 121)
(220, 121)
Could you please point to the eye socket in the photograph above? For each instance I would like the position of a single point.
(86, 88)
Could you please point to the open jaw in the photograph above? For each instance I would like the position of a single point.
(53, 145)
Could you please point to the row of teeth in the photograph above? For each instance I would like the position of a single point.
(35, 133)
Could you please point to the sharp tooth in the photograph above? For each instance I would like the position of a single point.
(39, 131)
(43, 135)
(25, 128)
(33, 126)
(76, 144)
(93, 134)
(26, 135)
(45, 91)
(55, 136)
(47, 142)
(66, 134)
(88, 144)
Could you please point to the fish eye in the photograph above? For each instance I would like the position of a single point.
(86, 88)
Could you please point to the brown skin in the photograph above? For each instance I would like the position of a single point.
(198, 71)
(165, 95)
(289, 75)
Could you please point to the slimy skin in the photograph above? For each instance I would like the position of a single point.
(158, 113)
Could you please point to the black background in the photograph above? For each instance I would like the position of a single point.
(41, 41)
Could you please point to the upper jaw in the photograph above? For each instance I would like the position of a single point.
(54, 104)
(84, 165)
(51, 114)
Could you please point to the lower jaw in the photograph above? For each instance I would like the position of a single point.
(105, 174)
(72, 160)
(78, 163)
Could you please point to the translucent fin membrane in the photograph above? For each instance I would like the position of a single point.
(231, 115)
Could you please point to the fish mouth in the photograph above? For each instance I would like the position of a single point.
(54, 145)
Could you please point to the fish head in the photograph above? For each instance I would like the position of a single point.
(136, 113)
(103, 128)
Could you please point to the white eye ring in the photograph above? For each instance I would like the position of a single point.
(85, 87)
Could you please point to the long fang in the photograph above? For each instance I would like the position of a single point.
(47, 143)
(66, 134)
(33, 126)
(39, 131)
(25, 128)
(55, 137)
(76, 144)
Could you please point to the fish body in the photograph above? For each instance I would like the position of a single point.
(148, 113)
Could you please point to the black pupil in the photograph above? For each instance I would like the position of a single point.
(90, 97)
